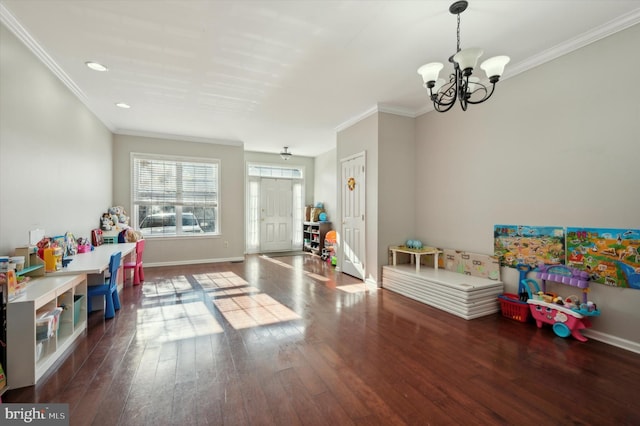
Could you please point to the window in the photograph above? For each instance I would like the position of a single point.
(175, 197)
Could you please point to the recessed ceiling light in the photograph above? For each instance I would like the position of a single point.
(96, 66)
(123, 105)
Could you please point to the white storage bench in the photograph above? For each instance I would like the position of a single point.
(458, 293)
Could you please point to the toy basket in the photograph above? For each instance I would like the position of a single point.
(513, 308)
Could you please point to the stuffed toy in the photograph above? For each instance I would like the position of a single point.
(105, 222)
(119, 216)
(131, 235)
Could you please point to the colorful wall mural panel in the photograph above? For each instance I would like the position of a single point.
(610, 256)
(531, 245)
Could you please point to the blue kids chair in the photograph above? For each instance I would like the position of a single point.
(109, 289)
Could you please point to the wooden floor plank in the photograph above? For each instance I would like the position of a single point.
(203, 344)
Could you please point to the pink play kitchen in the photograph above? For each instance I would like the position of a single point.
(566, 316)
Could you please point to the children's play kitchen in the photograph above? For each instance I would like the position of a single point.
(567, 316)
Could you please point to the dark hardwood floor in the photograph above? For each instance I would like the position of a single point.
(287, 341)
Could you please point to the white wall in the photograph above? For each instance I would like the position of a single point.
(557, 145)
(55, 156)
(324, 188)
(397, 184)
(229, 245)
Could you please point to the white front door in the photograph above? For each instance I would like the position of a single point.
(275, 214)
(353, 219)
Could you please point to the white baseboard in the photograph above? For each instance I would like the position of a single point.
(195, 262)
(370, 281)
(612, 340)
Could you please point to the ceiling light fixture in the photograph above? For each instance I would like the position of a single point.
(123, 105)
(285, 155)
(96, 66)
(462, 85)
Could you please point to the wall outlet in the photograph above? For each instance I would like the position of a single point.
(226, 244)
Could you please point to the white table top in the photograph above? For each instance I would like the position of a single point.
(96, 261)
(42, 290)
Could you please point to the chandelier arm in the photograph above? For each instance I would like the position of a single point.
(486, 96)
(447, 98)
(444, 100)
(463, 102)
(463, 84)
(438, 107)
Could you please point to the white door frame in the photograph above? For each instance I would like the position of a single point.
(359, 269)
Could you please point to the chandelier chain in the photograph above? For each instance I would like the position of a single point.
(458, 34)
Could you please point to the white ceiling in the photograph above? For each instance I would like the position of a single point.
(275, 73)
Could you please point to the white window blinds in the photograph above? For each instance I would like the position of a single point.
(179, 188)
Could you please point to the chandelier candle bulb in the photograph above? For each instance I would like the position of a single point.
(430, 72)
(494, 67)
(467, 59)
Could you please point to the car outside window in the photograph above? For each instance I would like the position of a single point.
(175, 196)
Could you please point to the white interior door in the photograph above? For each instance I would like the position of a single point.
(353, 216)
(275, 214)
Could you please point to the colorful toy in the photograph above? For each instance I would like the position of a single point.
(415, 244)
(105, 222)
(328, 252)
(547, 308)
(115, 217)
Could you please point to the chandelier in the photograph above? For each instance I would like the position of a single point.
(285, 155)
(462, 85)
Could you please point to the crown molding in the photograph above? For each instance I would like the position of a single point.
(353, 120)
(386, 108)
(168, 136)
(396, 110)
(591, 36)
(10, 21)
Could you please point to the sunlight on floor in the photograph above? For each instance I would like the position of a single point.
(175, 322)
(176, 285)
(220, 280)
(353, 288)
(253, 310)
(174, 308)
(285, 265)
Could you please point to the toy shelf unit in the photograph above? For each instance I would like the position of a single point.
(313, 234)
(565, 319)
(41, 324)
